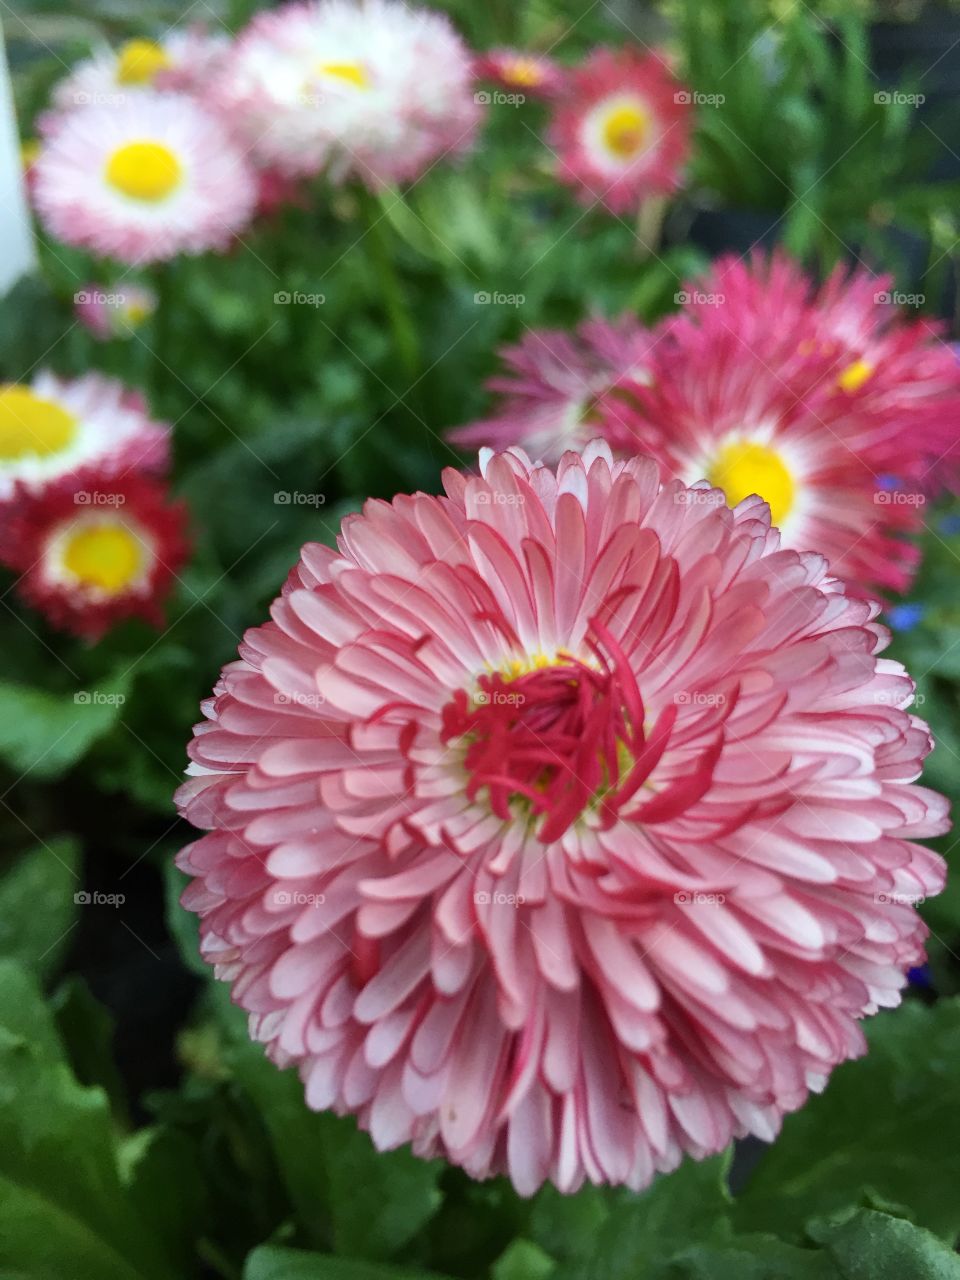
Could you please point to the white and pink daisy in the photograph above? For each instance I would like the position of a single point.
(375, 90)
(93, 550)
(533, 74)
(151, 177)
(621, 132)
(554, 383)
(114, 311)
(823, 403)
(562, 825)
(56, 426)
(184, 60)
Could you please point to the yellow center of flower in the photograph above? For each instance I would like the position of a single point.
(105, 555)
(146, 171)
(350, 72)
(31, 426)
(855, 375)
(624, 131)
(743, 467)
(139, 61)
(524, 72)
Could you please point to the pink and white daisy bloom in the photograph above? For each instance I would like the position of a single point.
(109, 311)
(152, 177)
(563, 824)
(375, 90)
(518, 71)
(94, 550)
(55, 426)
(184, 60)
(554, 383)
(622, 130)
(820, 402)
(881, 364)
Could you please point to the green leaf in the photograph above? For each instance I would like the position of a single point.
(86, 1032)
(690, 1204)
(366, 1204)
(523, 1261)
(880, 1127)
(272, 1263)
(37, 907)
(44, 734)
(875, 1246)
(63, 1210)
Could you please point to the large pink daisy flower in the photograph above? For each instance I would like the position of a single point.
(375, 90)
(555, 382)
(622, 131)
(562, 825)
(143, 180)
(823, 402)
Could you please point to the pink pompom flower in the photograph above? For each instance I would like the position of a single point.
(376, 91)
(622, 130)
(561, 825)
(57, 426)
(93, 549)
(518, 71)
(824, 402)
(143, 180)
(554, 383)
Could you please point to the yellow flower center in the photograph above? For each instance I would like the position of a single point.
(350, 72)
(31, 426)
(743, 467)
(146, 171)
(855, 375)
(624, 131)
(524, 72)
(105, 555)
(138, 62)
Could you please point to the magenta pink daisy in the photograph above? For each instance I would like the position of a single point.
(622, 130)
(824, 402)
(554, 383)
(563, 824)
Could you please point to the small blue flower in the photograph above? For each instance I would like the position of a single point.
(920, 976)
(888, 482)
(950, 525)
(904, 617)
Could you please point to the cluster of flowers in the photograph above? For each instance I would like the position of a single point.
(85, 518)
(158, 149)
(827, 402)
(600, 796)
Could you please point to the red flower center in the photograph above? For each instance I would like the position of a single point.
(560, 737)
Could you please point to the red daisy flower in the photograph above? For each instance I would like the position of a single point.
(93, 550)
(622, 131)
